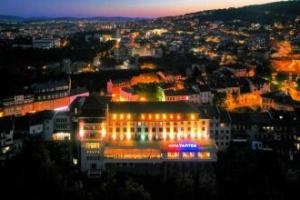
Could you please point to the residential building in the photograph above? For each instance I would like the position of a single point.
(220, 125)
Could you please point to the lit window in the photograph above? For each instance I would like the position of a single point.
(128, 136)
(178, 117)
(173, 155)
(185, 135)
(188, 155)
(172, 136)
(128, 116)
(192, 135)
(143, 117)
(204, 155)
(164, 116)
(164, 136)
(121, 116)
(157, 116)
(81, 133)
(114, 116)
(103, 132)
(171, 116)
(150, 117)
(192, 116)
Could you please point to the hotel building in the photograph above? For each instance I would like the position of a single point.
(133, 133)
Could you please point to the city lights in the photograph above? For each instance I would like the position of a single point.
(154, 103)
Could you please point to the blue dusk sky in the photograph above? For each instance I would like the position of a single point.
(129, 8)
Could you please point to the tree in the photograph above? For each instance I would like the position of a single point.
(298, 84)
(219, 99)
(281, 77)
(152, 91)
(135, 191)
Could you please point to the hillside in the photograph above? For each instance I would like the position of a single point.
(265, 13)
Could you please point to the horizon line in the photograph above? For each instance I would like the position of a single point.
(141, 17)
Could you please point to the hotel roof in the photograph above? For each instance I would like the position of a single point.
(210, 112)
(94, 106)
(183, 92)
(152, 107)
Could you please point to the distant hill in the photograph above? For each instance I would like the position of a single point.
(6, 18)
(265, 13)
(10, 18)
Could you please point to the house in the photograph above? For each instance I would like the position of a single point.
(277, 101)
(219, 125)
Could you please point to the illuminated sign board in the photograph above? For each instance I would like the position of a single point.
(183, 146)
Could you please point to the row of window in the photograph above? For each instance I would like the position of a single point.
(150, 137)
(93, 158)
(222, 144)
(61, 120)
(216, 132)
(53, 89)
(155, 129)
(61, 126)
(158, 123)
(43, 97)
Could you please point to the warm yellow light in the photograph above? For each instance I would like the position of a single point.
(128, 136)
(121, 116)
(150, 137)
(157, 116)
(164, 116)
(171, 116)
(114, 116)
(143, 116)
(192, 116)
(185, 135)
(192, 135)
(103, 132)
(128, 116)
(150, 117)
(114, 137)
(164, 136)
(178, 117)
(172, 136)
(81, 133)
(178, 136)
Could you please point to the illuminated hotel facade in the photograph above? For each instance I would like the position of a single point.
(132, 133)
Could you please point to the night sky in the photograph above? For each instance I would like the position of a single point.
(130, 8)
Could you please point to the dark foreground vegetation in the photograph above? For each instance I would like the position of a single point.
(46, 171)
